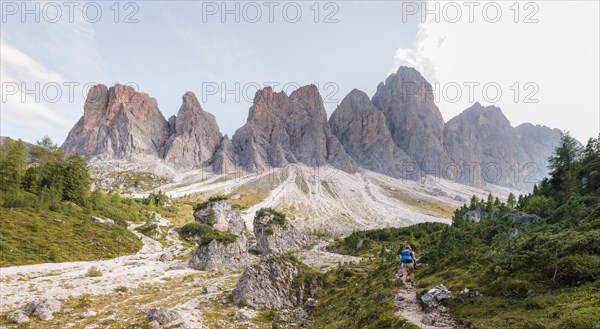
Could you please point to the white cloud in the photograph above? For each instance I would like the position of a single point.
(558, 56)
(49, 68)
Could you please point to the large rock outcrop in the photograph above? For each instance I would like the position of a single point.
(364, 132)
(276, 282)
(194, 136)
(275, 234)
(118, 123)
(219, 253)
(282, 130)
(221, 216)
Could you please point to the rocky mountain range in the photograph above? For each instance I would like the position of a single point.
(399, 132)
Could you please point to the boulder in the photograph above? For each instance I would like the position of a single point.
(163, 315)
(436, 296)
(88, 314)
(42, 309)
(210, 289)
(17, 317)
(166, 257)
(524, 218)
(245, 314)
(107, 221)
(276, 282)
(459, 198)
(475, 215)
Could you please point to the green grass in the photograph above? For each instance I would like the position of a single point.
(30, 236)
(359, 296)
(575, 307)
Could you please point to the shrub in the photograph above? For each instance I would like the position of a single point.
(84, 301)
(93, 272)
(515, 288)
(278, 217)
(121, 289)
(214, 198)
(195, 228)
(220, 237)
(54, 254)
(575, 269)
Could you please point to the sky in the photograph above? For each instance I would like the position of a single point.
(538, 61)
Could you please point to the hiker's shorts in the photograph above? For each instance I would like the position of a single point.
(410, 265)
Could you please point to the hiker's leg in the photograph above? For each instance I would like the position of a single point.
(412, 275)
(403, 275)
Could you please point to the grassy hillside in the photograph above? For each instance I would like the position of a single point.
(46, 208)
(30, 236)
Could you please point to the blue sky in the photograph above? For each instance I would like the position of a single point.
(178, 46)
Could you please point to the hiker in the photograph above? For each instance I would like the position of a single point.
(408, 259)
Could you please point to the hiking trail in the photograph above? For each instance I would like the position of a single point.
(409, 308)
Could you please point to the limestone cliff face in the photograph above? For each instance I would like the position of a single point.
(118, 123)
(364, 132)
(414, 121)
(194, 136)
(225, 158)
(490, 150)
(282, 130)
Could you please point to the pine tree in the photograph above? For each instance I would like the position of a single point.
(511, 203)
(76, 180)
(563, 166)
(13, 164)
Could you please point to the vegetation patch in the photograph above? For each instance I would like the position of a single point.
(219, 236)
(214, 198)
(277, 218)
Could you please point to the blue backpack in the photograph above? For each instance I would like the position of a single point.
(406, 256)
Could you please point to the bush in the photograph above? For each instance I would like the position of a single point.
(121, 289)
(576, 269)
(192, 229)
(93, 272)
(213, 198)
(220, 237)
(84, 301)
(515, 288)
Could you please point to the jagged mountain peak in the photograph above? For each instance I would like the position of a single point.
(195, 138)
